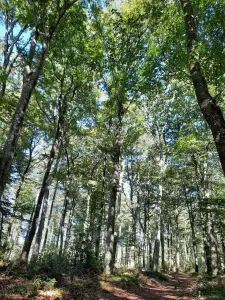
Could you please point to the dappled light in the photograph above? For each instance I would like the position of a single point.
(119, 287)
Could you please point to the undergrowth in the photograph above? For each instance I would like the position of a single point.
(210, 288)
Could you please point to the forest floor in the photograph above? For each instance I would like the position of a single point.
(142, 287)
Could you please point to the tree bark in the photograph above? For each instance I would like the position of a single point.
(210, 247)
(101, 213)
(53, 198)
(158, 212)
(37, 244)
(208, 106)
(158, 231)
(110, 238)
(44, 186)
(193, 235)
(162, 246)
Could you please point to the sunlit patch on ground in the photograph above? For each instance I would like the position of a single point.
(125, 287)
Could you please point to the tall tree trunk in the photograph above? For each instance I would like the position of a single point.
(70, 223)
(134, 208)
(53, 198)
(44, 186)
(158, 216)
(150, 254)
(101, 213)
(193, 234)
(111, 218)
(110, 248)
(63, 224)
(37, 244)
(177, 247)
(162, 246)
(210, 247)
(209, 108)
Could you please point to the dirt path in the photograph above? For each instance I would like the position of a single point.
(177, 287)
(88, 288)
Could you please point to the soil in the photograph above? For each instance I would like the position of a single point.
(173, 286)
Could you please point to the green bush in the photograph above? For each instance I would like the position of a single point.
(50, 265)
(47, 284)
(92, 263)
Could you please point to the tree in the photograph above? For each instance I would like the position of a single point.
(207, 103)
(43, 27)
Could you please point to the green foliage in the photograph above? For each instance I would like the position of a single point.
(93, 264)
(32, 287)
(210, 290)
(50, 264)
(127, 280)
(44, 284)
(130, 54)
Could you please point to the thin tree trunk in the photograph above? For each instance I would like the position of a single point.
(44, 186)
(63, 225)
(162, 246)
(193, 235)
(70, 222)
(102, 205)
(177, 247)
(54, 196)
(50, 215)
(37, 244)
(150, 255)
